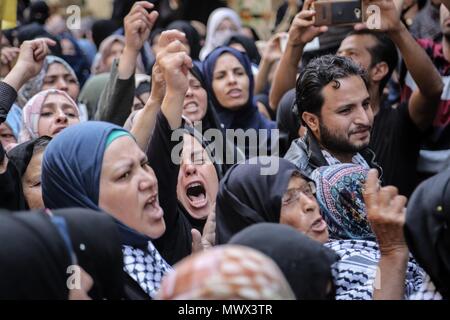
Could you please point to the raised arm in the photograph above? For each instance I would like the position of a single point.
(424, 102)
(175, 64)
(117, 97)
(145, 119)
(29, 63)
(138, 24)
(272, 52)
(386, 213)
(301, 32)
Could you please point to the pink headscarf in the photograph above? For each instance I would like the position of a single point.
(32, 112)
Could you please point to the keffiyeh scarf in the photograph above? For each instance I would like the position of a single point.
(355, 274)
(147, 267)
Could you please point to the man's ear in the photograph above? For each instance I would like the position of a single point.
(311, 121)
(379, 71)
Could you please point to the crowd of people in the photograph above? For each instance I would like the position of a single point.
(166, 159)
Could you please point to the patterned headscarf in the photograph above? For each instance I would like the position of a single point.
(33, 86)
(32, 112)
(339, 193)
(228, 272)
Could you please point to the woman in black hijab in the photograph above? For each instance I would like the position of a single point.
(33, 259)
(40, 249)
(20, 183)
(260, 190)
(427, 232)
(188, 187)
(210, 119)
(100, 256)
(305, 263)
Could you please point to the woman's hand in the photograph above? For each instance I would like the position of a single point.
(208, 239)
(30, 61)
(174, 62)
(386, 212)
(138, 23)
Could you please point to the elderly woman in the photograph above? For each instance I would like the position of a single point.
(99, 166)
(286, 196)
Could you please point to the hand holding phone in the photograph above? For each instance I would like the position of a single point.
(303, 28)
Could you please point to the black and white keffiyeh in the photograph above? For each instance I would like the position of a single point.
(427, 291)
(146, 267)
(355, 274)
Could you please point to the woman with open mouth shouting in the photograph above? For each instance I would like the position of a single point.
(188, 178)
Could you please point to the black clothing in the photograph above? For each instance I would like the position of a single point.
(305, 263)
(395, 139)
(427, 232)
(248, 195)
(176, 242)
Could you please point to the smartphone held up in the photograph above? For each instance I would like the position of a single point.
(338, 12)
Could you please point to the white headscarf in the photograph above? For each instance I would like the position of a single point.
(215, 39)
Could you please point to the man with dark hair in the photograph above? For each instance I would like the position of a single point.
(398, 130)
(334, 104)
(370, 48)
(396, 133)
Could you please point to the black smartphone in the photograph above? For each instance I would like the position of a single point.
(338, 12)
